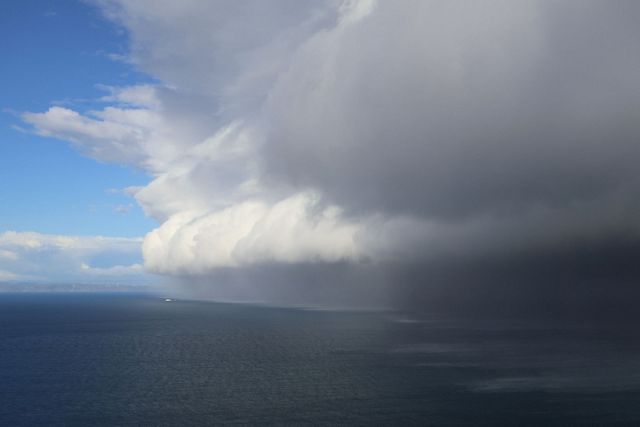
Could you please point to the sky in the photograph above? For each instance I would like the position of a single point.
(57, 53)
(438, 154)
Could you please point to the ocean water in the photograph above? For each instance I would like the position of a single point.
(108, 359)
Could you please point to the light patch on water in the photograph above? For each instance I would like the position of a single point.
(433, 348)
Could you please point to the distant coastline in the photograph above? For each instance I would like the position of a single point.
(74, 287)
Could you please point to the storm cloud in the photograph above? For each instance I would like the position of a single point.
(443, 152)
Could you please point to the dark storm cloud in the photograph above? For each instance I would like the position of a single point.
(466, 109)
(437, 154)
(512, 125)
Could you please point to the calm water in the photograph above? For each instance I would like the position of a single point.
(137, 360)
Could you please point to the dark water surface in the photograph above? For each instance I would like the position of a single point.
(91, 359)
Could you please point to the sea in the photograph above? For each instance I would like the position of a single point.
(91, 359)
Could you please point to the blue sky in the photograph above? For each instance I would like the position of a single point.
(63, 216)
(57, 53)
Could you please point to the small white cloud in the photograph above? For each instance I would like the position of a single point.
(118, 141)
(7, 276)
(30, 240)
(56, 258)
(132, 190)
(123, 209)
(133, 96)
(116, 270)
(10, 255)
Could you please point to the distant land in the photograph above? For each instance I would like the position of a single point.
(73, 287)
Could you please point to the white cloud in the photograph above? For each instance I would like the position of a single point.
(120, 271)
(58, 258)
(123, 209)
(10, 255)
(114, 135)
(28, 240)
(136, 131)
(296, 229)
(135, 96)
(7, 276)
